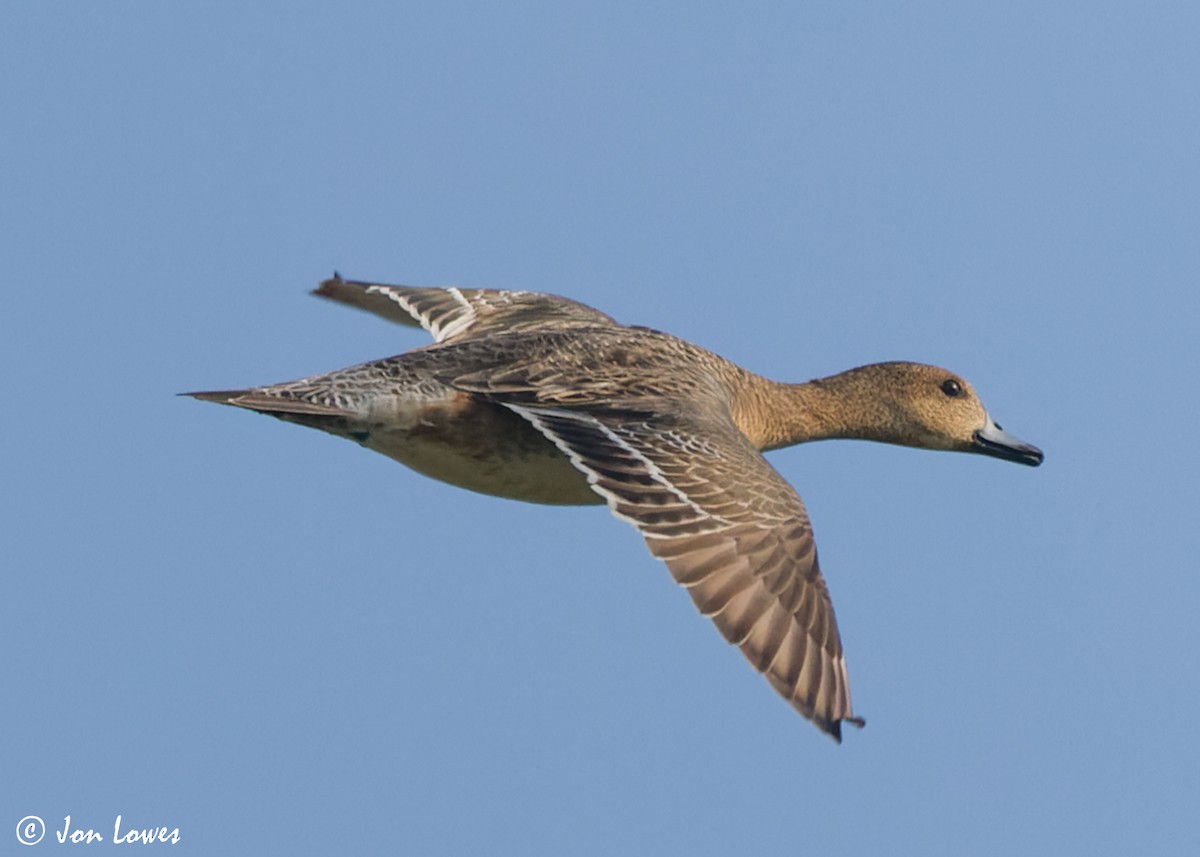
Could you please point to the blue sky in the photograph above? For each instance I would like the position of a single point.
(280, 643)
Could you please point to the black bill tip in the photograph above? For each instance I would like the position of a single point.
(994, 441)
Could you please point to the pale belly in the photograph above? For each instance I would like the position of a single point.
(480, 447)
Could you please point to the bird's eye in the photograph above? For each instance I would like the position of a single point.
(952, 388)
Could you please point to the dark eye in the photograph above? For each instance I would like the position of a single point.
(952, 388)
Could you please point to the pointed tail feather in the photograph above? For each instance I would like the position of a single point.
(255, 400)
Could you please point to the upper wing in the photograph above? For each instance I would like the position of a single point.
(455, 314)
(732, 532)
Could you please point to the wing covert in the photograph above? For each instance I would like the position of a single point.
(731, 531)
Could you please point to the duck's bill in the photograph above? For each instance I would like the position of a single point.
(995, 441)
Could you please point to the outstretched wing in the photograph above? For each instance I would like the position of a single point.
(731, 531)
(454, 314)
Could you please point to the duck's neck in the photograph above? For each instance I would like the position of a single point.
(846, 405)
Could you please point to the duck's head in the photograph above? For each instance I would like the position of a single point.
(936, 409)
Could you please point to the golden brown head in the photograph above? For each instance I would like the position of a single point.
(913, 404)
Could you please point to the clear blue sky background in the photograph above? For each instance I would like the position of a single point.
(283, 644)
